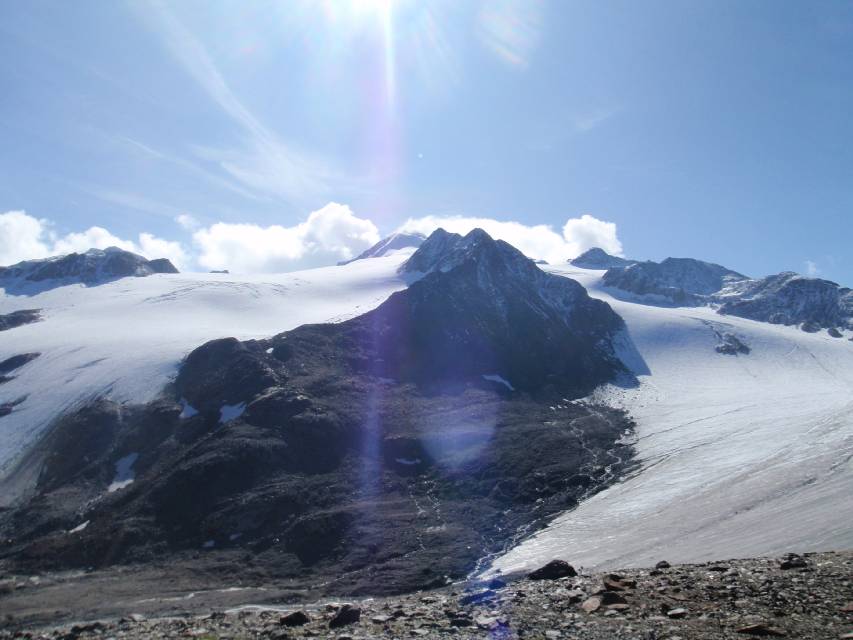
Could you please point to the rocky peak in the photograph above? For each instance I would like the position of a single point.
(789, 298)
(597, 258)
(674, 280)
(94, 266)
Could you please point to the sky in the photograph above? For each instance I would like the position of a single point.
(270, 136)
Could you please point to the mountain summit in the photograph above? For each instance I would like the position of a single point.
(93, 267)
(597, 258)
(389, 245)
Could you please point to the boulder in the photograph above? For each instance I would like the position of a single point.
(554, 570)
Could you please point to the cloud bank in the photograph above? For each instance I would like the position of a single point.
(328, 235)
(538, 241)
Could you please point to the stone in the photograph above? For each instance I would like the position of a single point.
(761, 629)
(347, 614)
(793, 561)
(663, 564)
(554, 570)
(591, 605)
(677, 614)
(294, 619)
(610, 597)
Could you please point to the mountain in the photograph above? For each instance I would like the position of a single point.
(596, 258)
(789, 298)
(93, 267)
(386, 246)
(674, 280)
(404, 444)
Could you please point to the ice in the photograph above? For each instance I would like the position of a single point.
(739, 456)
(124, 472)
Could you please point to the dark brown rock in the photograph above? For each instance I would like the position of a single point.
(554, 570)
(295, 619)
(347, 614)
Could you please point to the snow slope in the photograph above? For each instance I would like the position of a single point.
(127, 337)
(740, 455)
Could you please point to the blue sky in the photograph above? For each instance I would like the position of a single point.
(719, 130)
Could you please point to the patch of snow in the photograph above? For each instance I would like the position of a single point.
(79, 527)
(234, 536)
(209, 544)
(229, 412)
(187, 410)
(493, 377)
(270, 350)
(124, 472)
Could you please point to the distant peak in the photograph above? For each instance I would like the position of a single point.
(395, 242)
(598, 258)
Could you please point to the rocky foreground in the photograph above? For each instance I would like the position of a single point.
(808, 596)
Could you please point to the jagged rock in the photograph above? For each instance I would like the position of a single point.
(597, 258)
(554, 570)
(19, 318)
(347, 614)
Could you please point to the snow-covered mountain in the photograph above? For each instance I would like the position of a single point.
(789, 298)
(387, 246)
(95, 266)
(674, 280)
(739, 455)
(785, 298)
(597, 258)
(743, 434)
(445, 389)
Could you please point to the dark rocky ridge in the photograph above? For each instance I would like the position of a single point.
(789, 298)
(365, 457)
(19, 318)
(681, 281)
(597, 258)
(93, 267)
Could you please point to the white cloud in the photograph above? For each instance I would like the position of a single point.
(330, 234)
(188, 222)
(812, 269)
(537, 241)
(23, 237)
